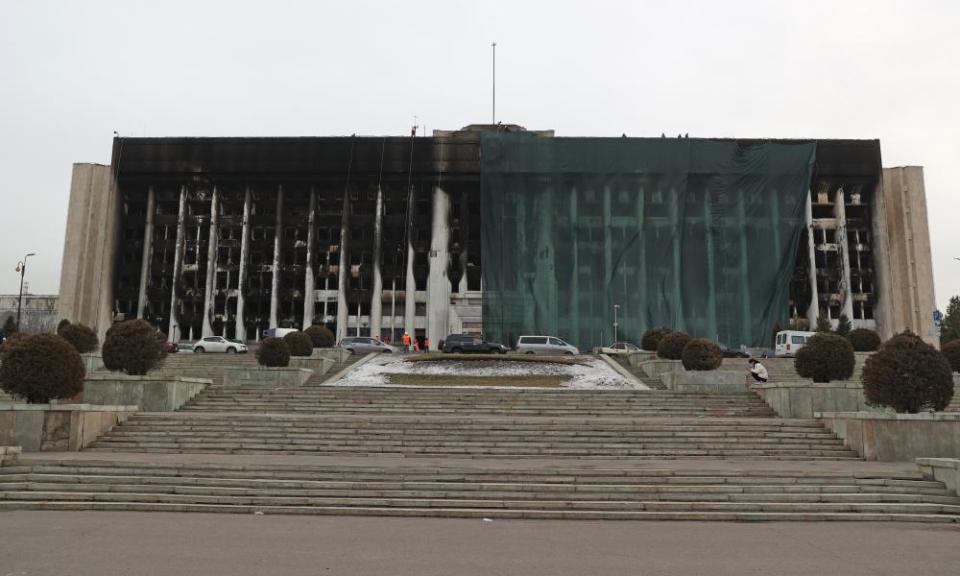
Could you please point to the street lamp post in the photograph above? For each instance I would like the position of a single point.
(616, 337)
(22, 269)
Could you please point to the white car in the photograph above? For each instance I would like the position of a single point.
(545, 345)
(220, 344)
(620, 348)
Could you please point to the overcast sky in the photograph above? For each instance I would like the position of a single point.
(73, 72)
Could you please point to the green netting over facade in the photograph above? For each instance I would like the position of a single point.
(698, 235)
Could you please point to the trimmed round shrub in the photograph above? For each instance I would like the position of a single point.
(62, 324)
(83, 338)
(133, 347)
(826, 357)
(10, 339)
(908, 375)
(701, 354)
(299, 344)
(951, 351)
(864, 340)
(40, 368)
(671, 346)
(650, 340)
(273, 353)
(321, 336)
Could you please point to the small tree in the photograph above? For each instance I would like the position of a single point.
(843, 325)
(273, 353)
(823, 324)
(10, 326)
(81, 337)
(908, 375)
(651, 338)
(701, 354)
(671, 346)
(825, 357)
(950, 326)
(951, 351)
(864, 340)
(40, 368)
(133, 347)
(321, 336)
(299, 344)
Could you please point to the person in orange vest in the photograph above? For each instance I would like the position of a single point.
(416, 345)
(426, 344)
(406, 342)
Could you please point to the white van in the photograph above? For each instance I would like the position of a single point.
(789, 341)
(545, 345)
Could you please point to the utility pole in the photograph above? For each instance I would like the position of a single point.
(616, 308)
(22, 269)
(494, 115)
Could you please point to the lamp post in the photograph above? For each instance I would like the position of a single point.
(22, 269)
(616, 338)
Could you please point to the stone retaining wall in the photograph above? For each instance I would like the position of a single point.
(705, 381)
(946, 470)
(338, 355)
(262, 376)
(891, 437)
(151, 393)
(57, 427)
(804, 398)
(9, 455)
(319, 364)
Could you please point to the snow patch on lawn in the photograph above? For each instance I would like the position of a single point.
(593, 373)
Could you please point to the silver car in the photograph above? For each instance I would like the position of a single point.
(365, 345)
(545, 345)
(219, 344)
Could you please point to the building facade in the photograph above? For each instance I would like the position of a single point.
(382, 235)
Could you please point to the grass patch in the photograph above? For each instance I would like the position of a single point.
(479, 381)
(441, 357)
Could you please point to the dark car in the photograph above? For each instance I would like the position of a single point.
(464, 343)
(733, 352)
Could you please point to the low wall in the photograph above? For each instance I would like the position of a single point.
(262, 376)
(804, 398)
(946, 470)
(654, 368)
(57, 427)
(891, 437)
(637, 358)
(150, 393)
(338, 355)
(705, 381)
(319, 364)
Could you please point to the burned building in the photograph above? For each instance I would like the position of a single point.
(495, 229)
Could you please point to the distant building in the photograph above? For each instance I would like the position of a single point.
(39, 312)
(381, 235)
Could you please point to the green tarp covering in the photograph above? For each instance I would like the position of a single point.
(697, 235)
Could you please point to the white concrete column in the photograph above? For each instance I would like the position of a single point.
(376, 298)
(211, 265)
(438, 282)
(309, 298)
(241, 326)
(344, 268)
(813, 311)
(173, 328)
(147, 251)
(410, 294)
(841, 213)
(277, 239)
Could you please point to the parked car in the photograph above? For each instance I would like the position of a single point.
(789, 341)
(184, 348)
(620, 348)
(732, 352)
(545, 345)
(219, 344)
(278, 332)
(365, 345)
(465, 343)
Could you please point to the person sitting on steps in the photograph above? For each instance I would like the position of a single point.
(758, 371)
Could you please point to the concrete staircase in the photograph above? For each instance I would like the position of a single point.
(501, 492)
(207, 365)
(474, 423)
(639, 374)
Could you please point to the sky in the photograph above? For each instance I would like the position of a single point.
(72, 73)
